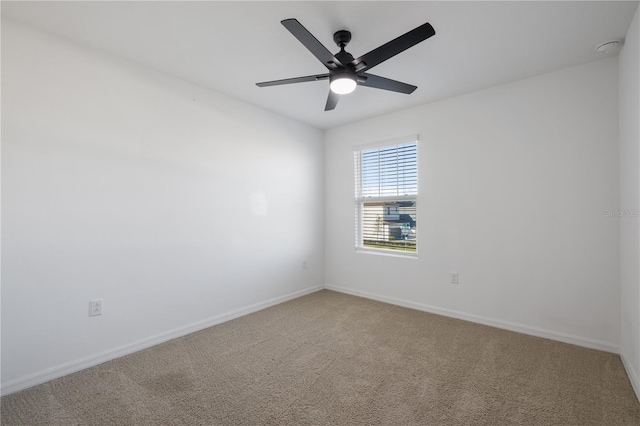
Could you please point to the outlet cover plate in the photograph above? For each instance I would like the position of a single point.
(95, 307)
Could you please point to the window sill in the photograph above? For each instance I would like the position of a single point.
(389, 253)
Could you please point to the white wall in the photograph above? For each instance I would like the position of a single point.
(514, 184)
(178, 206)
(630, 202)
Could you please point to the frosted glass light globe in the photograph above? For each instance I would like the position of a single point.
(343, 84)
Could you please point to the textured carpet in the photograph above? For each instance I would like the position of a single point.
(334, 359)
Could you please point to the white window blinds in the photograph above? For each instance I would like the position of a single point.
(386, 192)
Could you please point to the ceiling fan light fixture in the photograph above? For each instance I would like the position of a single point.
(343, 83)
(345, 71)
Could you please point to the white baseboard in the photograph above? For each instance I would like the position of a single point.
(631, 372)
(547, 334)
(93, 360)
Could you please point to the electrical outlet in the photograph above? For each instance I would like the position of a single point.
(454, 278)
(305, 265)
(95, 307)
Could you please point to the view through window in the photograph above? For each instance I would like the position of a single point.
(386, 198)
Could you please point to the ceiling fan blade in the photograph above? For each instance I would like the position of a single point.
(293, 80)
(385, 83)
(311, 43)
(332, 101)
(395, 46)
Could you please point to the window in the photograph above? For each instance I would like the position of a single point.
(386, 192)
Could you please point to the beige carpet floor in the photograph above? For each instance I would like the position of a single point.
(333, 359)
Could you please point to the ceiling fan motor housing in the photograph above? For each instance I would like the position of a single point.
(342, 38)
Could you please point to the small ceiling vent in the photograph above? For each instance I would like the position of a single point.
(609, 46)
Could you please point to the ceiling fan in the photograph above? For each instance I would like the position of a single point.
(345, 71)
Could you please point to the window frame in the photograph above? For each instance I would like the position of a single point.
(360, 198)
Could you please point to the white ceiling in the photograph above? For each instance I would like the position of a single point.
(229, 46)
